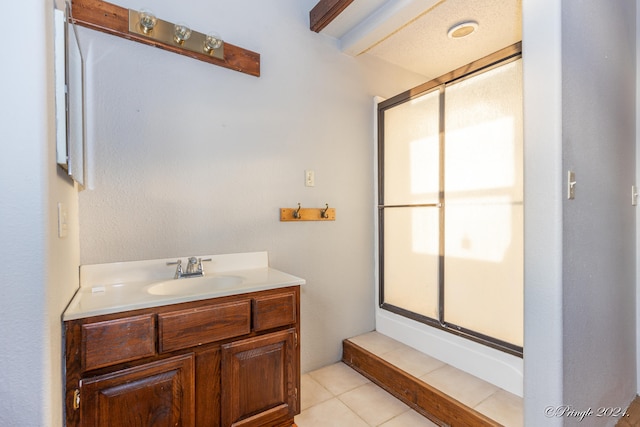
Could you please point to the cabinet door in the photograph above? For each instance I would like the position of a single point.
(156, 394)
(259, 380)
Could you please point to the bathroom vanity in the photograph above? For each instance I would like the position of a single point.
(219, 350)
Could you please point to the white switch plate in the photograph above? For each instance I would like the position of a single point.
(309, 178)
(63, 227)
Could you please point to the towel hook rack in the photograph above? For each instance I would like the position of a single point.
(301, 214)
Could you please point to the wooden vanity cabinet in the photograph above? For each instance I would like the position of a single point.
(223, 362)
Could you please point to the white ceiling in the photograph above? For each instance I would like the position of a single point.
(413, 33)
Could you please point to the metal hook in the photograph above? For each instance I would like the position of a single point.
(296, 213)
(324, 213)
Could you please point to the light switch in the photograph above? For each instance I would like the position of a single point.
(309, 178)
(63, 227)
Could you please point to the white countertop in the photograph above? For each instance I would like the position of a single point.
(117, 287)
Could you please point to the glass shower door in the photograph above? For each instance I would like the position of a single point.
(451, 207)
(483, 204)
(409, 206)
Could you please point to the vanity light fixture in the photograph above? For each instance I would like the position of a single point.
(179, 36)
(109, 18)
(462, 29)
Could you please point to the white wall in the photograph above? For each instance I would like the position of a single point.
(580, 254)
(598, 116)
(543, 192)
(190, 158)
(40, 271)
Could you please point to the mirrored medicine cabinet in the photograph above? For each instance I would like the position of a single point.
(69, 84)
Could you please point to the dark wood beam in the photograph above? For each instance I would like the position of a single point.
(112, 19)
(326, 11)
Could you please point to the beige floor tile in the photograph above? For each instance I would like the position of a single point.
(376, 343)
(461, 386)
(312, 392)
(410, 418)
(504, 407)
(338, 378)
(373, 404)
(331, 413)
(412, 361)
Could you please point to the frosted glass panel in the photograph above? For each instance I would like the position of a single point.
(411, 259)
(484, 269)
(483, 204)
(411, 151)
(483, 135)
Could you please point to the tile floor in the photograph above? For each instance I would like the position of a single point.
(337, 396)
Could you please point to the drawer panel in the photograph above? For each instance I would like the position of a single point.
(274, 311)
(203, 325)
(116, 341)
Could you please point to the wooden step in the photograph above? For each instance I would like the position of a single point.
(439, 407)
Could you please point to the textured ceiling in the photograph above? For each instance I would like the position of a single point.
(414, 36)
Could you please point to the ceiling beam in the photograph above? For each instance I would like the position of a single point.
(326, 11)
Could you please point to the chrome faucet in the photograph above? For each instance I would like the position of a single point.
(194, 268)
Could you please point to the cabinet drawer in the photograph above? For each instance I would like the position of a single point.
(274, 311)
(116, 341)
(203, 325)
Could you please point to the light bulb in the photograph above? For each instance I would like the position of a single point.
(181, 32)
(212, 42)
(147, 20)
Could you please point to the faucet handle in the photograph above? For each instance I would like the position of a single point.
(200, 261)
(178, 268)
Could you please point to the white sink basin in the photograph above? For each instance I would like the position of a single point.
(194, 285)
